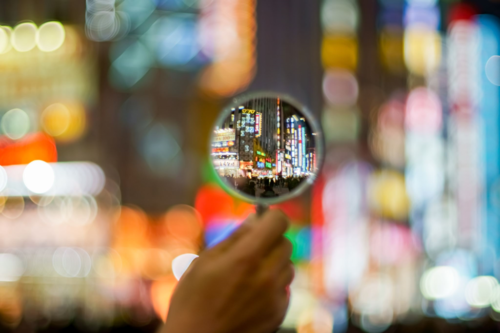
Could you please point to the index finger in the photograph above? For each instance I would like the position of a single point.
(263, 236)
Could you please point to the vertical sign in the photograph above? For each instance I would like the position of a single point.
(300, 146)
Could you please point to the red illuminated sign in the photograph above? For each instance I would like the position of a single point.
(220, 150)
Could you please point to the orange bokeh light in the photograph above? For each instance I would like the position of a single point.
(161, 292)
(184, 222)
(32, 147)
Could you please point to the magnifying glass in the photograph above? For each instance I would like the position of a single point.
(266, 148)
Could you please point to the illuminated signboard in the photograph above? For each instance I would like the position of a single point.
(300, 145)
(274, 164)
(260, 165)
(260, 153)
(220, 150)
(288, 157)
(248, 111)
(246, 165)
(224, 136)
(304, 144)
(223, 144)
(258, 124)
(220, 163)
(268, 165)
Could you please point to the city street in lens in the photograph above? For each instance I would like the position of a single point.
(264, 148)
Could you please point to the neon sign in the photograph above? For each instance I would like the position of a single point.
(258, 124)
(220, 150)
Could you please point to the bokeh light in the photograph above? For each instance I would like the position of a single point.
(55, 119)
(11, 267)
(227, 36)
(439, 282)
(174, 38)
(423, 111)
(28, 149)
(13, 207)
(492, 70)
(132, 60)
(339, 16)
(5, 34)
(23, 37)
(422, 50)
(3, 179)
(480, 290)
(388, 196)
(184, 222)
(50, 36)
(161, 292)
(181, 263)
(161, 150)
(340, 88)
(15, 124)
(38, 176)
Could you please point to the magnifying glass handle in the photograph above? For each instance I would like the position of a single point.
(261, 209)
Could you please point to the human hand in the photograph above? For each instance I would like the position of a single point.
(240, 285)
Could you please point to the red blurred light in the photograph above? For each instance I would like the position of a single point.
(213, 203)
(462, 12)
(32, 147)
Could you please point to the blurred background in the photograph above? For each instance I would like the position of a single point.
(106, 108)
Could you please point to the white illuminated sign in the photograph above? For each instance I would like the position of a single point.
(224, 135)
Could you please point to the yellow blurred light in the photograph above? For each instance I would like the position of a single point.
(56, 119)
(316, 320)
(439, 282)
(15, 124)
(422, 50)
(50, 36)
(3, 200)
(301, 301)
(13, 207)
(388, 196)
(66, 122)
(392, 50)
(23, 38)
(5, 33)
(340, 51)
